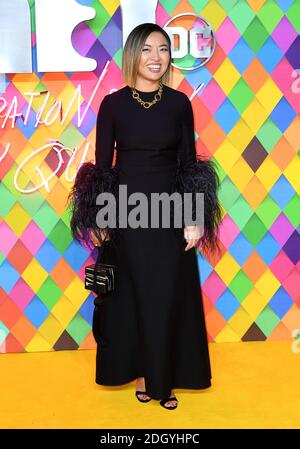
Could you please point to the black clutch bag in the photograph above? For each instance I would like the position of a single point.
(100, 277)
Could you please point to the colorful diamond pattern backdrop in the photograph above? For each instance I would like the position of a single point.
(246, 120)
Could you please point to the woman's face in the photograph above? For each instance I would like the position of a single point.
(154, 57)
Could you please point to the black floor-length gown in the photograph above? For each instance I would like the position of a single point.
(153, 323)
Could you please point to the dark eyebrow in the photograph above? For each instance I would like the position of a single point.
(162, 45)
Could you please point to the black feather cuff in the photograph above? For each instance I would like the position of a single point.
(201, 176)
(90, 181)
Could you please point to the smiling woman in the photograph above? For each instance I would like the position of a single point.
(153, 322)
(152, 56)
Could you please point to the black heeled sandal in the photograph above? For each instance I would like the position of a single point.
(171, 407)
(142, 392)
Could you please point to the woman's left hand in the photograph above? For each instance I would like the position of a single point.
(192, 236)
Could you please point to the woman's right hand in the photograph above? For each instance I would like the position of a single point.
(95, 239)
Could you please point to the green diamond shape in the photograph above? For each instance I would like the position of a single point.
(60, 236)
(241, 15)
(102, 18)
(269, 15)
(7, 200)
(293, 14)
(32, 202)
(46, 218)
(241, 95)
(78, 328)
(267, 320)
(228, 193)
(240, 212)
(49, 293)
(292, 210)
(254, 230)
(71, 137)
(269, 134)
(268, 211)
(240, 285)
(255, 35)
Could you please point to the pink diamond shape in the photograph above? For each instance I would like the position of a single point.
(228, 231)
(292, 285)
(281, 266)
(281, 229)
(8, 238)
(212, 96)
(33, 237)
(213, 287)
(284, 34)
(282, 75)
(21, 294)
(227, 35)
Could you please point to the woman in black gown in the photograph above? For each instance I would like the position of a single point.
(153, 323)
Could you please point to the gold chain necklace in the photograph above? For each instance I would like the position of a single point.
(148, 104)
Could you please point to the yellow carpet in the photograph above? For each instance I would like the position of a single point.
(254, 385)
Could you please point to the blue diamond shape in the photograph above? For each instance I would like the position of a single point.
(281, 302)
(282, 192)
(227, 304)
(269, 55)
(204, 266)
(283, 114)
(227, 115)
(268, 248)
(36, 311)
(240, 249)
(76, 255)
(241, 55)
(48, 255)
(87, 308)
(8, 276)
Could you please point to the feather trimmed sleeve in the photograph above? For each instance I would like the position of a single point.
(92, 179)
(196, 175)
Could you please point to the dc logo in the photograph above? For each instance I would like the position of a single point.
(194, 38)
